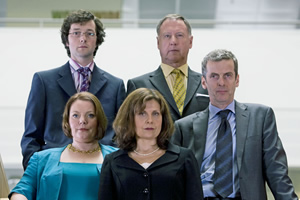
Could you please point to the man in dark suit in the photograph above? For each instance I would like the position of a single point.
(81, 34)
(174, 39)
(256, 153)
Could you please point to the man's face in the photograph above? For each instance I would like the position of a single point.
(174, 42)
(220, 82)
(82, 43)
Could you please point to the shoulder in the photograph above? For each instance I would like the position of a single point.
(253, 107)
(182, 151)
(194, 73)
(146, 76)
(107, 149)
(109, 76)
(54, 70)
(47, 152)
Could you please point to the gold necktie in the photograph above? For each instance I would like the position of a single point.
(179, 90)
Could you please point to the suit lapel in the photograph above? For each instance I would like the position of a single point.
(194, 80)
(159, 82)
(200, 123)
(98, 80)
(66, 81)
(242, 122)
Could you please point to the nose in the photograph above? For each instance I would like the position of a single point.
(82, 120)
(82, 38)
(149, 119)
(173, 40)
(221, 81)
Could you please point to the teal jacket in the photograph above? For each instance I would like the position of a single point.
(43, 176)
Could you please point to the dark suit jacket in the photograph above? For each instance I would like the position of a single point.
(49, 93)
(174, 176)
(156, 80)
(260, 154)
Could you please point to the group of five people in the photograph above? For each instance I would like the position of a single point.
(154, 159)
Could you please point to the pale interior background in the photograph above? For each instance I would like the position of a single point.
(268, 57)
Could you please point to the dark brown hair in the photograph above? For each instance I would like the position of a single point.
(124, 124)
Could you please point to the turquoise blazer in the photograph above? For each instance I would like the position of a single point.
(42, 178)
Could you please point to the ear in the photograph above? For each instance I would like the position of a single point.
(203, 82)
(237, 81)
(191, 41)
(157, 40)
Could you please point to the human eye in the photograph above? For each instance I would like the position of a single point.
(179, 35)
(76, 33)
(214, 76)
(91, 115)
(228, 75)
(75, 115)
(156, 113)
(91, 34)
(167, 36)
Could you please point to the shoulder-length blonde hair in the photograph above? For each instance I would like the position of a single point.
(124, 124)
(99, 112)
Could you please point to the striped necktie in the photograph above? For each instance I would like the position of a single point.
(179, 90)
(223, 183)
(84, 71)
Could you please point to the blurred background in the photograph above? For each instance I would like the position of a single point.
(263, 34)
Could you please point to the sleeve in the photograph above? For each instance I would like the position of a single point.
(107, 187)
(33, 137)
(121, 94)
(275, 160)
(193, 186)
(130, 87)
(28, 183)
(177, 135)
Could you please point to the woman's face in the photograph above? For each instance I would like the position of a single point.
(83, 121)
(148, 122)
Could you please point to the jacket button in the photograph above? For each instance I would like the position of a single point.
(145, 175)
(146, 191)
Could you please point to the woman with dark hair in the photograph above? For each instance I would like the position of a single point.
(70, 172)
(147, 166)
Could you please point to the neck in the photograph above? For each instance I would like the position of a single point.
(83, 61)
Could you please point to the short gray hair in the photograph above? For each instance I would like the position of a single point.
(175, 17)
(218, 55)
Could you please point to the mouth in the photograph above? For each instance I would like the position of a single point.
(149, 129)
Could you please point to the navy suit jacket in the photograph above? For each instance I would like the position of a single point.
(260, 155)
(50, 91)
(156, 80)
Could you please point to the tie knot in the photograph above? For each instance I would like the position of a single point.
(176, 71)
(223, 113)
(83, 70)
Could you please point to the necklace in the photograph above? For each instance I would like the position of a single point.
(70, 147)
(146, 154)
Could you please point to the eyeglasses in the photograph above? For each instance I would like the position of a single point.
(79, 34)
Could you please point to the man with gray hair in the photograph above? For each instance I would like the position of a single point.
(236, 144)
(180, 86)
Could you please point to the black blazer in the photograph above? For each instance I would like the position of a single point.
(174, 176)
(156, 80)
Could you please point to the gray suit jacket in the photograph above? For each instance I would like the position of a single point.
(156, 80)
(50, 91)
(260, 154)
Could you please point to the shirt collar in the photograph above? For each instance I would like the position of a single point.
(167, 69)
(75, 65)
(213, 110)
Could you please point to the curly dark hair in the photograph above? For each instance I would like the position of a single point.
(81, 16)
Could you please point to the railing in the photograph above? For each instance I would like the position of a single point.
(46, 22)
